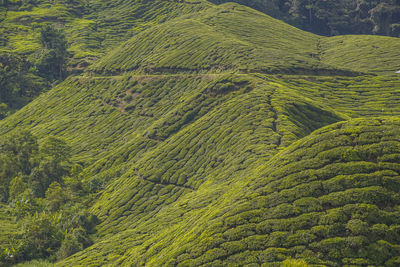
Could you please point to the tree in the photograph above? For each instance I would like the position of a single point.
(55, 196)
(73, 242)
(53, 57)
(17, 156)
(25, 205)
(55, 148)
(42, 236)
(11, 68)
(17, 81)
(3, 110)
(6, 173)
(17, 187)
(4, 3)
(383, 16)
(333, 17)
(73, 182)
(53, 158)
(22, 148)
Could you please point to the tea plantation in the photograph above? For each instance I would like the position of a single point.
(191, 134)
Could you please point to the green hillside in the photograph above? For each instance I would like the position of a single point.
(330, 198)
(91, 26)
(235, 38)
(362, 53)
(206, 135)
(228, 37)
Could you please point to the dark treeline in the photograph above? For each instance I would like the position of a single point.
(328, 17)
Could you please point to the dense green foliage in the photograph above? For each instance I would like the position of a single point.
(18, 84)
(51, 39)
(43, 193)
(190, 134)
(333, 17)
(52, 60)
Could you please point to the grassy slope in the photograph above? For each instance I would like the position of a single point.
(92, 27)
(20, 27)
(195, 164)
(182, 154)
(251, 127)
(354, 97)
(236, 38)
(324, 199)
(96, 27)
(161, 200)
(227, 37)
(119, 20)
(374, 54)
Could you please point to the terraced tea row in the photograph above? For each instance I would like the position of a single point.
(8, 226)
(354, 97)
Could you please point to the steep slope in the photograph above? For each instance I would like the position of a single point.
(92, 27)
(198, 163)
(331, 198)
(121, 208)
(228, 37)
(119, 20)
(86, 30)
(191, 152)
(235, 38)
(153, 200)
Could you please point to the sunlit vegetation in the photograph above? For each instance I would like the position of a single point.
(90, 29)
(323, 199)
(181, 133)
(219, 40)
(45, 195)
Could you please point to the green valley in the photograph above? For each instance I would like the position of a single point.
(185, 133)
